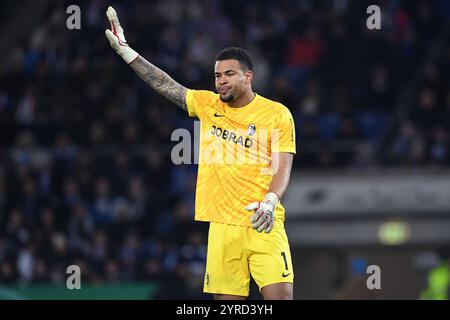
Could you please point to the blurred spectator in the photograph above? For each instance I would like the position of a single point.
(409, 146)
(26, 263)
(425, 114)
(102, 208)
(439, 147)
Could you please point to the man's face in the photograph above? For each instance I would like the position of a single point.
(231, 80)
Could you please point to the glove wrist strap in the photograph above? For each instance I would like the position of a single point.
(272, 197)
(128, 54)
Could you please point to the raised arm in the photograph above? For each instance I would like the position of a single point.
(160, 81)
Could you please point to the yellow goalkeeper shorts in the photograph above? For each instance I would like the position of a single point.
(236, 252)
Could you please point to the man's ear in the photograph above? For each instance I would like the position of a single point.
(249, 76)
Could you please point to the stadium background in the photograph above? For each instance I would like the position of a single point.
(86, 176)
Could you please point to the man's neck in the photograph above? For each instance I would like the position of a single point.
(243, 100)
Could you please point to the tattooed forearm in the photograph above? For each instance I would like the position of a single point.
(160, 81)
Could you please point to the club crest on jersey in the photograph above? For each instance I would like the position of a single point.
(251, 129)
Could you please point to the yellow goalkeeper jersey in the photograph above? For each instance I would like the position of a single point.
(235, 154)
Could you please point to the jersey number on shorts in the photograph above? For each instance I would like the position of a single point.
(283, 254)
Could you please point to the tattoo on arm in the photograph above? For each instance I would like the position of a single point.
(160, 81)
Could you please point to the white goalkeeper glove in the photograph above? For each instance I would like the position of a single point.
(263, 218)
(117, 39)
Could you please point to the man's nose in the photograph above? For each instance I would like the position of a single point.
(222, 80)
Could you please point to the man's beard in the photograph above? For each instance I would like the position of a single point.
(227, 99)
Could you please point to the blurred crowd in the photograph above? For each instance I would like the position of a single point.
(85, 170)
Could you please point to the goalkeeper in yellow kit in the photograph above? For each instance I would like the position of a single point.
(239, 194)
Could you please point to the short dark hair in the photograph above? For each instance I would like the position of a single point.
(236, 53)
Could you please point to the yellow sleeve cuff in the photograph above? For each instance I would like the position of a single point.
(190, 103)
(285, 149)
